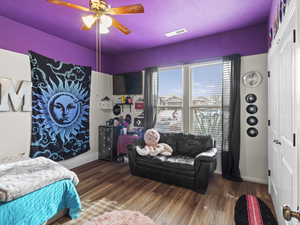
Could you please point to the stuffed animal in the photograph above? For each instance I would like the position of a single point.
(152, 147)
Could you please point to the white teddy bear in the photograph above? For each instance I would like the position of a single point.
(152, 147)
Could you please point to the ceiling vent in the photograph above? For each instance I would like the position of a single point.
(176, 32)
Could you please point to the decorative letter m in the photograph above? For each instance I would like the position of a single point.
(17, 97)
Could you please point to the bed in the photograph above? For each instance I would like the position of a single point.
(38, 206)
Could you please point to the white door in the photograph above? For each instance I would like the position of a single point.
(274, 131)
(283, 131)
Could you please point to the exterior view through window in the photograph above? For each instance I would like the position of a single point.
(190, 99)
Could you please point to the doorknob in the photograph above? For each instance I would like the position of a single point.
(288, 214)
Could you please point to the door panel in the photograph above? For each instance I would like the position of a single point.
(274, 129)
(288, 153)
(283, 153)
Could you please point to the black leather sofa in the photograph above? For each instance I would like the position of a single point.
(192, 162)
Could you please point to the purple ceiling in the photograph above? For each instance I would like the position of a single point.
(199, 17)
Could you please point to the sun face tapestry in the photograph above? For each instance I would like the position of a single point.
(60, 108)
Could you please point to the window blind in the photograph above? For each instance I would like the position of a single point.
(206, 84)
(206, 107)
(170, 101)
(227, 65)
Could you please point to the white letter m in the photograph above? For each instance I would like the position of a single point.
(8, 90)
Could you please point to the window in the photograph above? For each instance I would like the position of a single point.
(170, 100)
(190, 99)
(207, 82)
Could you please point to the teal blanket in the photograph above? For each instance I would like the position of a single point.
(37, 207)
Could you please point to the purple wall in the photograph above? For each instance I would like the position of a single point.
(106, 63)
(275, 5)
(20, 38)
(247, 41)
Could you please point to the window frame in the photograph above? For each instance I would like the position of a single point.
(191, 107)
(158, 107)
(187, 79)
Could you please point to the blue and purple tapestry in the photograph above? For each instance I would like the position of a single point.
(60, 108)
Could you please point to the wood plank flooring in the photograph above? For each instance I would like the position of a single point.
(165, 204)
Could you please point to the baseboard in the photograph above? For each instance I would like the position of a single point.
(249, 179)
(80, 160)
(255, 180)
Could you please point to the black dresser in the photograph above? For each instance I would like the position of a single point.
(108, 140)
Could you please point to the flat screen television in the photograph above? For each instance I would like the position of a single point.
(128, 83)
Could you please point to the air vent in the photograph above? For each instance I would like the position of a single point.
(176, 32)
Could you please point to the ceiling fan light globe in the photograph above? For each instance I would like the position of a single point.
(88, 20)
(106, 21)
(103, 29)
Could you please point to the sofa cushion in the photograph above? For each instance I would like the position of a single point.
(170, 139)
(180, 160)
(177, 164)
(190, 145)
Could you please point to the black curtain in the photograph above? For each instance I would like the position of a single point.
(150, 96)
(231, 118)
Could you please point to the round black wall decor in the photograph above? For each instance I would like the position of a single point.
(252, 132)
(252, 120)
(252, 109)
(251, 98)
(117, 110)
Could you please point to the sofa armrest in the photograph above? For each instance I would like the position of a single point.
(132, 148)
(205, 164)
(132, 158)
(131, 151)
(208, 155)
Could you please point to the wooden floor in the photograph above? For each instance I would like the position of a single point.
(165, 204)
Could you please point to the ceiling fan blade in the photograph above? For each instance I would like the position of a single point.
(84, 27)
(74, 6)
(129, 9)
(120, 27)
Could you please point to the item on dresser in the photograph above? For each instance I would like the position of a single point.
(22, 177)
(124, 124)
(123, 141)
(128, 119)
(109, 122)
(116, 122)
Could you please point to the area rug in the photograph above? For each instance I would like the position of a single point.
(250, 210)
(124, 217)
(92, 209)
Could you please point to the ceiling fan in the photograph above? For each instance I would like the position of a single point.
(101, 10)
